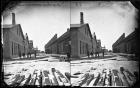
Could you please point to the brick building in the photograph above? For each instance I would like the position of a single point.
(94, 42)
(99, 47)
(15, 43)
(77, 41)
(126, 44)
(26, 44)
(30, 46)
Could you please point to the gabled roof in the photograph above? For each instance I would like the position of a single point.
(89, 30)
(10, 26)
(122, 38)
(53, 39)
(63, 35)
(119, 40)
(80, 25)
(130, 36)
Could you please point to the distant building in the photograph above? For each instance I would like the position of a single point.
(31, 48)
(99, 47)
(77, 41)
(15, 44)
(26, 46)
(106, 50)
(94, 43)
(126, 44)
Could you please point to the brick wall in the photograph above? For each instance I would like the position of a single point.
(84, 36)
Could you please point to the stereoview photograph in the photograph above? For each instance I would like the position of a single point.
(70, 43)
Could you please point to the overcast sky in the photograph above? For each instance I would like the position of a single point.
(41, 20)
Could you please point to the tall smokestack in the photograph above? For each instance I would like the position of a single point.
(81, 18)
(13, 19)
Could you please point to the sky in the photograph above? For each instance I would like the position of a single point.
(42, 20)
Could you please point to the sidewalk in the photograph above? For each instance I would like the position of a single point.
(25, 58)
(94, 58)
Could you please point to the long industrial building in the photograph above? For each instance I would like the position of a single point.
(126, 44)
(78, 41)
(14, 42)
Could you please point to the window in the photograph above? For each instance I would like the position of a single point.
(85, 31)
(24, 49)
(17, 31)
(15, 48)
(85, 48)
(19, 34)
(12, 49)
(61, 47)
(64, 46)
(80, 47)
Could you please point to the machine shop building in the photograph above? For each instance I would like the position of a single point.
(14, 42)
(126, 44)
(78, 41)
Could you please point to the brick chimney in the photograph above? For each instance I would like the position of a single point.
(81, 18)
(13, 19)
(94, 35)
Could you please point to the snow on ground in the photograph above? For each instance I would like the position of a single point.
(83, 66)
(114, 64)
(77, 66)
(14, 67)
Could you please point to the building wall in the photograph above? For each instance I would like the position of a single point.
(74, 42)
(94, 45)
(16, 41)
(58, 46)
(6, 47)
(53, 48)
(54, 38)
(126, 45)
(122, 47)
(81, 43)
(84, 41)
(63, 45)
(31, 46)
(99, 47)
(131, 46)
(26, 46)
